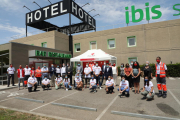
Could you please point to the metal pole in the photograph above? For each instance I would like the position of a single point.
(2, 66)
(70, 36)
(26, 30)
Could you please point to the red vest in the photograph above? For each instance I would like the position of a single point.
(162, 70)
(33, 72)
(19, 73)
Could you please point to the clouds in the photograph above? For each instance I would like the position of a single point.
(10, 5)
(10, 28)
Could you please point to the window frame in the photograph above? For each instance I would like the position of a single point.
(90, 45)
(128, 41)
(75, 50)
(43, 43)
(132, 58)
(114, 43)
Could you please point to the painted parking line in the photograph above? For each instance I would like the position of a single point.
(174, 97)
(32, 100)
(75, 107)
(35, 113)
(52, 101)
(142, 116)
(104, 111)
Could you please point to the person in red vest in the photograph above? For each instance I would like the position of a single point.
(161, 71)
(91, 65)
(38, 75)
(33, 71)
(20, 75)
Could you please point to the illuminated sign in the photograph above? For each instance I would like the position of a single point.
(51, 54)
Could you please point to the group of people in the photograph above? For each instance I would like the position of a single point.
(130, 77)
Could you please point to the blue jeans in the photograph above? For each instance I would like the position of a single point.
(127, 90)
(66, 85)
(93, 87)
(98, 80)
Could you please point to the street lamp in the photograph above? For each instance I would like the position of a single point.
(86, 4)
(26, 7)
(37, 4)
(50, 1)
(96, 15)
(92, 10)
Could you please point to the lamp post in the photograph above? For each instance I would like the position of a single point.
(37, 4)
(92, 10)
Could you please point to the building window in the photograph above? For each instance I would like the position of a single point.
(131, 41)
(93, 45)
(77, 47)
(111, 43)
(44, 44)
(132, 59)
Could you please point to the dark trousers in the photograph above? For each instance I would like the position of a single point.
(30, 88)
(39, 80)
(110, 88)
(86, 80)
(70, 76)
(130, 80)
(44, 86)
(9, 77)
(102, 79)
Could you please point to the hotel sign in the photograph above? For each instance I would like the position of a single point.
(38, 53)
(57, 9)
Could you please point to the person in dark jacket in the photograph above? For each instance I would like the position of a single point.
(108, 71)
(52, 71)
(69, 71)
(103, 72)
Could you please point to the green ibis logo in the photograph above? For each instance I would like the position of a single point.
(157, 13)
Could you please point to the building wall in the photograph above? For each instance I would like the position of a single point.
(54, 39)
(19, 53)
(152, 40)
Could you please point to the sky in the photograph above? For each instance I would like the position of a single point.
(112, 15)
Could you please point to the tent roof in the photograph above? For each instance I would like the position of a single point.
(93, 55)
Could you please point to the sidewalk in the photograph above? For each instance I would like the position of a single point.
(4, 87)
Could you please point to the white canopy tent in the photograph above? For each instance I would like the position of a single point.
(94, 55)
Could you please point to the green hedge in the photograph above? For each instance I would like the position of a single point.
(173, 69)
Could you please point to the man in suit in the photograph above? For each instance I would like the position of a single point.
(52, 71)
(103, 70)
(108, 71)
(69, 72)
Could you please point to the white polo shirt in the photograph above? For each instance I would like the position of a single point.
(58, 79)
(109, 82)
(63, 70)
(124, 84)
(77, 80)
(87, 70)
(158, 67)
(97, 70)
(47, 81)
(27, 71)
(93, 82)
(31, 80)
(58, 70)
(68, 80)
(148, 88)
(11, 70)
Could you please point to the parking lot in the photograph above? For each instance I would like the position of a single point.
(104, 103)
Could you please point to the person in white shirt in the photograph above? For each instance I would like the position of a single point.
(32, 82)
(58, 70)
(109, 85)
(63, 71)
(97, 72)
(115, 73)
(45, 83)
(93, 85)
(44, 71)
(87, 73)
(124, 87)
(20, 75)
(66, 83)
(148, 89)
(58, 82)
(78, 82)
(10, 72)
(27, 72)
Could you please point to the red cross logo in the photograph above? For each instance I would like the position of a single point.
(92, 53)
